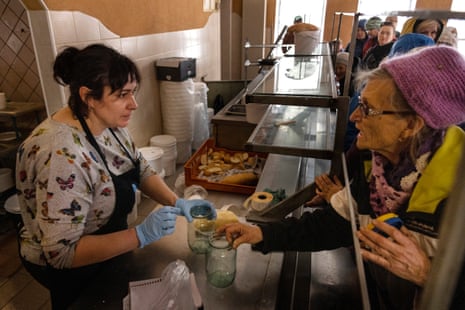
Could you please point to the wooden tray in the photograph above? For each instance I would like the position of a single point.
(192, 171)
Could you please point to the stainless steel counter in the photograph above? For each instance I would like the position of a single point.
(291, 280)
(255, 286)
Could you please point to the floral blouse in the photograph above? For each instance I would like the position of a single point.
(65, 190)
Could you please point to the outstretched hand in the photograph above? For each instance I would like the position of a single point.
(239, 233)
(327, 187)
(157, 224)
(400, 254)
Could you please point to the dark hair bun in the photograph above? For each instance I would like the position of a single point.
(64, 64)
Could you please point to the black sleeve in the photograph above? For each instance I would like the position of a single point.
(322, 229)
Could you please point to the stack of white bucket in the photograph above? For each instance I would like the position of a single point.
(168, 144)
(177, 107)
(154, 156)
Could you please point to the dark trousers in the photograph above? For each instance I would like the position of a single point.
(65, 285)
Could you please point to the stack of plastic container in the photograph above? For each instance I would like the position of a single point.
(201, 127)
(168, 144)
(177, 107)
(177, 94)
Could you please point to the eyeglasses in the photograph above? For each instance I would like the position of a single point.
(367, 111)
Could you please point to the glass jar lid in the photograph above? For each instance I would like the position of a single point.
(201, 212)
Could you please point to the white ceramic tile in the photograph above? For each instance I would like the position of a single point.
(164, 43)
(129, 47)
(146, 120)
(193, 51)
(150, 45)
(63, 27)
(114, 43)
(87, 27)
(144, 50)
(39, 26)
(105, 33)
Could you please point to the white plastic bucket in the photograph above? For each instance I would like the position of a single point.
(170, 154)
(153, 155)
(12, 205)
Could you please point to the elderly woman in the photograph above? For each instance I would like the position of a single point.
(415, 148)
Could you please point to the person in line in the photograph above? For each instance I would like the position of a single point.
(305, 37)
(342, 60)
(77, 172)
(376, 54)
(429, 27)
(409, 42)
(393, 19)
(415, 150)
(406, 43)
(372, 27)
(360, 39)
(340, 69)
(337, 44)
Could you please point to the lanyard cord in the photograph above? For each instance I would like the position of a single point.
(94, 143)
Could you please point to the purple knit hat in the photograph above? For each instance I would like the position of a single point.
(431, 80)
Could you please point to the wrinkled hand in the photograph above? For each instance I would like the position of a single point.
(156, 225)
(400, 254)
(185, 207)
(316, 201)
(239, 233)
(327, 187)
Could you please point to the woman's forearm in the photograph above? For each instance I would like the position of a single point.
(154, 187)
(92, 249)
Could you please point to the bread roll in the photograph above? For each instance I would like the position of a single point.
(246, 178)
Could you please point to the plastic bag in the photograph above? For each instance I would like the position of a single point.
(177, 293)
(176, 289)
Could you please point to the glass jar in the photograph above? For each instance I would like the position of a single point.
(200, 229)
(220, 262)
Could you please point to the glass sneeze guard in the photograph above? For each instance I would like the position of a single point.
(300, 75)
(296, 130)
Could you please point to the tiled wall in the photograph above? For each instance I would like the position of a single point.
(19, 78)
(54, 30)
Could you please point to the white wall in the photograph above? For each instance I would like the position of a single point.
(54, 30)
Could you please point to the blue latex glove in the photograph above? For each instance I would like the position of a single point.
(156, 225)
(185, 207)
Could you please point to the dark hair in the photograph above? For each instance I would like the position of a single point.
(94, 67)
(387, 24)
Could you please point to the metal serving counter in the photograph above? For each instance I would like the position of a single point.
(257, 276)
(255, 285)
(326, 280)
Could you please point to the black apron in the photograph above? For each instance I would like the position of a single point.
(65, 285)
(124, 187)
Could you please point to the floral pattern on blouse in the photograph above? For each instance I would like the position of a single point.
(65, 190)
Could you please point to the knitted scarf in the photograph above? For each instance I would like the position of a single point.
(392, 185)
